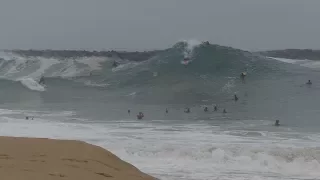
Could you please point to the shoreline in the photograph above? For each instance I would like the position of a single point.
(44, 158)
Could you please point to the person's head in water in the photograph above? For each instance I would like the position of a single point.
(224, 111)
(140, 115)
(205, 109)
(236, 97)
(277, 123)
(129, 111)
(309, 82)
(167, 110)
(215, 108)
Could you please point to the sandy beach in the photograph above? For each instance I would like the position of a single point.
(39, 158)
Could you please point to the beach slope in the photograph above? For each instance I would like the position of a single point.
(39, 159)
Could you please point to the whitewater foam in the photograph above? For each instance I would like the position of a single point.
(189, 50)
(302, 62)
(229, 85)
(32, 84)
(13, 67)
(192, 43)
(94, 84)
(45, 64)
(20, 68)
(182, 151)
(125, 66)
(93, 62)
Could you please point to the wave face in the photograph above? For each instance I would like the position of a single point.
(212, 71)
(210, 75)
(211, 68)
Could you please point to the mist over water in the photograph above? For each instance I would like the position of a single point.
(87, 98)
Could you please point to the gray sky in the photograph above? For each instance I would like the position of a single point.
(150, 24)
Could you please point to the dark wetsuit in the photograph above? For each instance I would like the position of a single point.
(309, 82)
(115, 64)
(140, 115)
(41, 81)
(205, 109)
(236, 98)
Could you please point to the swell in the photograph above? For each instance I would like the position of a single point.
(213, 71)
(157, 76)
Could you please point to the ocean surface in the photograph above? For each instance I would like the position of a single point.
(86, 98)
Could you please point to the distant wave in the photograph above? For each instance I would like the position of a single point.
(302, 62)
(309, 54)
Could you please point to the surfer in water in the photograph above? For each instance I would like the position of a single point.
(205, 109)
(215, 108)
(206, 43)
(115, 64)
(242, 76)
(167, 110)
(140, 115)
(277, 123)
(236, 97)
(186, 61)
(187, 110)
(309, 82)
(27, 118)
(224, 111)
(41, 81)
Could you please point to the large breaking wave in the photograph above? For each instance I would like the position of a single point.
(28, 70)
(212, 71)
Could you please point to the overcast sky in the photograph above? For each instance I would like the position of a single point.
(151, 24)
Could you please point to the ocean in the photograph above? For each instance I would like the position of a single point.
(86, 98)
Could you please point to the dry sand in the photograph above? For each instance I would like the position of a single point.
(48, 159)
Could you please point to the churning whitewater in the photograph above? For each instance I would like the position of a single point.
(96, 96)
